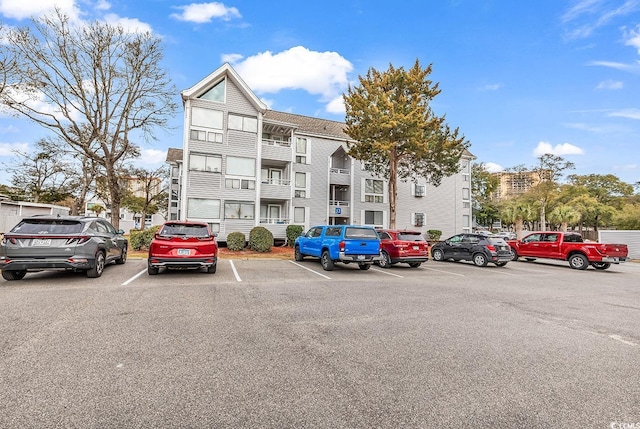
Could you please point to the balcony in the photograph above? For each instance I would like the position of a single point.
(339, 176)
(276, 189)
(338, 208)
(277, 150)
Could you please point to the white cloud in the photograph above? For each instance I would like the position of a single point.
(201, 13)
(491, 87)
(152, 156)
(22, 9)
(131, 25)
(321, 73)
(610, 84)
(558, 150)
(626, 113)
(8, 149)
(336, 106)
(231, 58)
(492, 167)
(589, 15)
(633, 38)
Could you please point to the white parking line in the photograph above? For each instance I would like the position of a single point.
(622, 340)
(134, 277)
(387, 273)
(309, 269)
(445, 272)
(235, 272)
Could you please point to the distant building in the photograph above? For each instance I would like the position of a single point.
(512, 184)
(11, 212)
(243, 165)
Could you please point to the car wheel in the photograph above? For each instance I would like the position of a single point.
(501, 264)
(98, 266)
(364, 267)
(325, 260)
(438, 255)
(480, 260)
(514, 255)
(578, 262)
(211, 269)
(601, 265)
(123, 256)
(13, 275)
(152, 271)
(415, 264)
(385, 260)
(298, 256)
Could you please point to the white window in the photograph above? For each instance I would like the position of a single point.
(206, 118)
(299, 214)
(239, 183)
(239, 210)
(373, 191)
(465, 194)
(419, 190)
(241, 166)
(372, 217)
(202, 208)
(466, 221)
(206, 136)
(243, 123)
(216, 93)
(301, 181)
(211, 163)
(302, 150)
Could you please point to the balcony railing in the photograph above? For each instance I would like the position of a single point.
(339, 203)
(276, 143)
(340, 170)
(277, 182)
(274, 221)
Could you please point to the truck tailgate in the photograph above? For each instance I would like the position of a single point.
(363, 246)
(615, 250)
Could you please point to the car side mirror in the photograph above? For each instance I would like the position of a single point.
(121, 231)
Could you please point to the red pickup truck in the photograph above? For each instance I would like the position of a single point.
(568, 246)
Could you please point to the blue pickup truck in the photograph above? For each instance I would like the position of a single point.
(339, 243)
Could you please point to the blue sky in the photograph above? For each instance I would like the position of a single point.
(518, 78)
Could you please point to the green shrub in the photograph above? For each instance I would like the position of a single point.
(139, 240)
(236, 241)
(293, 232)
(260, 239)
(434, 234)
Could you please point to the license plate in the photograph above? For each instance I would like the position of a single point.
(415, 247)
(360, 257)
(41, 242)
(184, 252)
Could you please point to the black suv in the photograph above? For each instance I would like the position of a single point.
(479, 248)
(76, 243)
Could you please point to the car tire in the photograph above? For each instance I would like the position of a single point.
(13, 275)
(297, 255)
(578, 261)
(514, 254)
(211, 269)
(152, 271)
(385, 260)
(437, 255)
(364, 267)
(326, 261)
(98, 266)
(480, 260)
(501, 264)
(601, 265)
(123, 257)
(415, 264)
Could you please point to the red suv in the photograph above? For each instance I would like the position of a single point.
(183, 245)
(398, 246)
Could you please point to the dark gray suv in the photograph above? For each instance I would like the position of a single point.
(75, 243)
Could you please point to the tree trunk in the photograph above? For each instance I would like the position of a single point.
(393, 187)
(115, 195)
(543, 216)
(519, 223)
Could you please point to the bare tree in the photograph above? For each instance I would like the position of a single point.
(150, 191)
(101, 88)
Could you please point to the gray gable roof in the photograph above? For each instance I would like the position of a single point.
(307, 124)
(174, 155)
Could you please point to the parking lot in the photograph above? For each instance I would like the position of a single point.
(276, 343)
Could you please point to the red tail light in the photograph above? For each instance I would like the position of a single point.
(341, 246)
(491, 248)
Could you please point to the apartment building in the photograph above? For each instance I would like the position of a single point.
(243, 165)
(514, 183)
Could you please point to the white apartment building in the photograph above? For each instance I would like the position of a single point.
(243, 165)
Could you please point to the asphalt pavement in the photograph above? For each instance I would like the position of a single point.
(281, 344)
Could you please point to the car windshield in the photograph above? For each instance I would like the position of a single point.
(408, 236)
(360, 233)
(496, 240)
(48, 226)
(185, 230)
